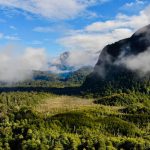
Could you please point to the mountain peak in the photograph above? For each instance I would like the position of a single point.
(112, 66)
(142, 32)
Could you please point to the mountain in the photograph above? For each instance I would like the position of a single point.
(75, 77)
(122, 66)
(45, 75)
(61, 65)
(79, 76)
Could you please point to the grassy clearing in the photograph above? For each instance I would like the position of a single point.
(62, 104)
(58, 104)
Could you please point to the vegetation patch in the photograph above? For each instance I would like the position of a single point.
(123, 99)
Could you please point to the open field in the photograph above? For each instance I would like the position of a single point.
(59, 104)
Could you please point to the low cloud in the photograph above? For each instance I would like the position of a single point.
(139, 63)
(95, 36)
(78, 59)
(85, 48)
(16, 67)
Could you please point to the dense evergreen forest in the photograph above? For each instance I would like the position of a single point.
(50, 119)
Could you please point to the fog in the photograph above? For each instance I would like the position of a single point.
(18, 65)
(139, 63)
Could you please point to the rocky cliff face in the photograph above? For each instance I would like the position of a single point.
(120, 64)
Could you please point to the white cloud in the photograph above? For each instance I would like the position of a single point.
(52, 9)
(94, 42)
(94, 37)
(19, 67)
(121, 21)
(81, 58)
(140, 62)
(84, 48)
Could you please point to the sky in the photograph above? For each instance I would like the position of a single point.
(81, 27)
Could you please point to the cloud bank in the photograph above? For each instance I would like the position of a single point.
(95, 36)
(16, 67)
(139, 63)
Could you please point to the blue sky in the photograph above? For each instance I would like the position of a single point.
(82, 27)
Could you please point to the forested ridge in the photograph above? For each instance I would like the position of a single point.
(119, 121)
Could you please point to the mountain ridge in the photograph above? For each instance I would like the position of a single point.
(111, 70)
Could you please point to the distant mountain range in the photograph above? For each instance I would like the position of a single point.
(78, 76)
(61, 71)
(61, 65)
(123, 66)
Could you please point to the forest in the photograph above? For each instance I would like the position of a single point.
(56, 118)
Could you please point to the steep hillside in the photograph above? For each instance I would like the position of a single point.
(79, 75)
(122, 66)
(75, 77)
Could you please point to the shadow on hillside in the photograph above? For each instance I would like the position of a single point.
(58, 91)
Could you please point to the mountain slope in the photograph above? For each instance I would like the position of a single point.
(79, 76)
(118, 68)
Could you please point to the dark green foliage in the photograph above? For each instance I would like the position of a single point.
(136, 109)
(19, 99)
(97, 127)
(116, 81)
(123, 99)
(93, 128)
(116, 100)
(79, 76)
